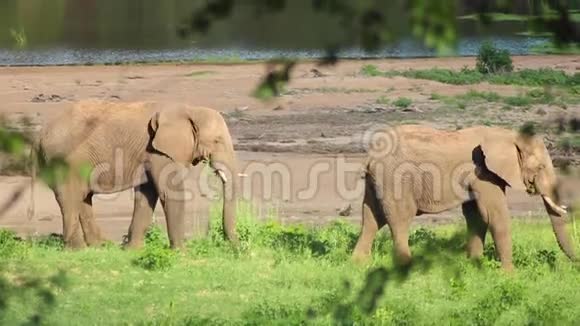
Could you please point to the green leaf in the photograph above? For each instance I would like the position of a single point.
(54, 172)
(85, 171)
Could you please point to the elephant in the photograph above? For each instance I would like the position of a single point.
(154, 143)
(410, 170)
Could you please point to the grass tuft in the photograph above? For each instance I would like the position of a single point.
(402, 102)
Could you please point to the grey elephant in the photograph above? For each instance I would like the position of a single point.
(413, 169)
(142, 145)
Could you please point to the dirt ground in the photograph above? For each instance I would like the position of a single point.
(310, 136)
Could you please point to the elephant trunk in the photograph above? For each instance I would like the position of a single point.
(546, 184)
(225, 168)
(557, 214)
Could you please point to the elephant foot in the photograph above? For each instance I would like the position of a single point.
(95, 241)
(74, 245)
(133, 245)
(360, 258)
(403, 261)
(508, 268)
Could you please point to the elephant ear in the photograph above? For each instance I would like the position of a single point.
(173, 136)
(502, 158)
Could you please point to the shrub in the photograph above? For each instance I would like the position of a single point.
(155, 237)
(10, 245)
(501, 298)
(156, 255)
(52, 240)
(422, 235)
(155, 258)
(517, 100)
(524, 257)
(436, 97)
(491, 60)
(570, 143)
(528, 128)
(474, 95)
(402, 102)
(541, 96)
(370, 70)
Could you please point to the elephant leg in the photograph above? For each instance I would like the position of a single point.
(372, 221)
(144, 206)
(168, 178)
(399, 217)
(92, 232)
(493, 206)
(476, 228)
(69, 202)
(400, 233)
(501, 232)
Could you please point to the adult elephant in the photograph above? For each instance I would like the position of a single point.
(144, 145)
(414, 169)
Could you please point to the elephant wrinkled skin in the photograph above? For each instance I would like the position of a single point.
(142, 145)
(430, 171)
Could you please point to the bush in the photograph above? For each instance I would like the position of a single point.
(402, 102)
(53, 240)
(569, 143)
(155, 258)
(518, 100)
(370, 70)
(422, 236)
(501, 298)
(475, 95)
(156, 255)
(491, 60)
(11, 246)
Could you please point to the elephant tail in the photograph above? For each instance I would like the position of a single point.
(33, 165)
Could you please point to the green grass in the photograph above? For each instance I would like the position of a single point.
(402, 102)
(506, 17)
(500, 17)
(570, 143)
(200, 73)
(531, 97)
(291, 274)
(466, 76)
(327, 90)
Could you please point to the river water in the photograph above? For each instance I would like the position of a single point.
(60, 32)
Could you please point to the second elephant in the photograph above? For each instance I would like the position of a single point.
(413, 170)
(142, 145)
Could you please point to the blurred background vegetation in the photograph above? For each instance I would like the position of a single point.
(106, 31)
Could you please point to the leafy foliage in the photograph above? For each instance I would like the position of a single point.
(156, 255)
(491, 60)
(11, 245)
(402, 102)
(38, 292)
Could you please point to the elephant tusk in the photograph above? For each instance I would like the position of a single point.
(222, 175)
(558, 209)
